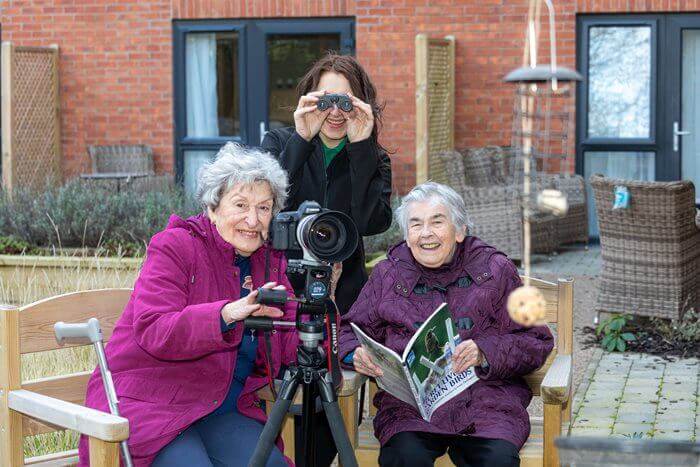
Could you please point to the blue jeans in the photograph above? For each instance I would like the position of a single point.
(216, 440)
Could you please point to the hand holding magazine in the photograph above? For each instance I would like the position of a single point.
(422, 376)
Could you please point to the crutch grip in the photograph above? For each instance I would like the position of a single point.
(79, 333)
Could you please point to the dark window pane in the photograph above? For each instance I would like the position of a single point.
(213, 102)
(619, 78)
(289, 58)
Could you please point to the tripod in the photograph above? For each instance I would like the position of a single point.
(311, 374)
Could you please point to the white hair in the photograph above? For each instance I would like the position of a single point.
(237, 165)
(438, 193)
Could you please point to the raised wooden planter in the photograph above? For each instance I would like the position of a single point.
(24, 279)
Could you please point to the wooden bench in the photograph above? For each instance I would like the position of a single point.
(552, 382)
(57, 403)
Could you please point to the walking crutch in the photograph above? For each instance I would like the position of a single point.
(90, 332)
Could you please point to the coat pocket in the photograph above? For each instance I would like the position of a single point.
(145, 389)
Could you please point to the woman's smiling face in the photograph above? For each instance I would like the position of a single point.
(431, 234)
(243, 216)
(334, 127)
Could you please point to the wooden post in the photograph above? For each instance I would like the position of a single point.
(422, 103)
(552, 429)
(7, 123)
(57, 117)
(565, 328)
(11, 452)
(451, 91)
(103, 453)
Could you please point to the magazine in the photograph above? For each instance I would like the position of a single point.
(422, 376)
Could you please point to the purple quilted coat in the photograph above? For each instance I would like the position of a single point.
(401, 294)
(170, 361)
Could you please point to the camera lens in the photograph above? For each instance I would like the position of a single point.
(329, 236)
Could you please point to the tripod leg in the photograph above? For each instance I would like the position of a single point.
(346, 454)
(307, 456)
(274, 421)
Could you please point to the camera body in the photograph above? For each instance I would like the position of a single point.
(323, 236)
(329, 100)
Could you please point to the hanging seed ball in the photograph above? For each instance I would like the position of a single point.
(526, 306)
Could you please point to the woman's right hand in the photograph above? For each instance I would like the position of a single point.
(364, 364)
(246, 306)
(307, 118)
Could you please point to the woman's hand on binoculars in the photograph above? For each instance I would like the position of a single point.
(307, 118)
(360, 120)
(247, 306)
(364, 364)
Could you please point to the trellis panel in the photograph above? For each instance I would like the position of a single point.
(435, 97)
(31, 157)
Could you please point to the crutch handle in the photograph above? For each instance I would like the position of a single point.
(79, 333)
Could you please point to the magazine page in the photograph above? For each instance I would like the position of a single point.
(428, 358)
(394, 380)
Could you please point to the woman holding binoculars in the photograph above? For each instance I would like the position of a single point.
(333, 157)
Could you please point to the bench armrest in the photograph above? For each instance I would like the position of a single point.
(556, 385)
(85, 420)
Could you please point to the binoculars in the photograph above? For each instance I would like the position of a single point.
(329, 100)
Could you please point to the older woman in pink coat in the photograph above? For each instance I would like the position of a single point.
(185, 368)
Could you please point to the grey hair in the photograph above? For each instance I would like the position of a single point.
(235, 165)
(437, 192)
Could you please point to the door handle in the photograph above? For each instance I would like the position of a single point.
(263, 130)
(676, 133)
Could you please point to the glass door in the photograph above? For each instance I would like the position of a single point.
(284, 50)
(235, 80)
(683, 125)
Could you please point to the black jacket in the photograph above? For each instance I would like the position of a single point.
(357, 182)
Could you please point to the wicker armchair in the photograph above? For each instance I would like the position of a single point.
(650, 250)
(134, 159)
(480, 177)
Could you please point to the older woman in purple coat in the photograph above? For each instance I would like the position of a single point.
(185, 368)
(487, 423)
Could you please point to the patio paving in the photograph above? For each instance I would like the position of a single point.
(571, 260)
(638, 395)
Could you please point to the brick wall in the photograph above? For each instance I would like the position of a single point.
(116, 60)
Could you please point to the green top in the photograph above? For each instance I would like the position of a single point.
(330, 153)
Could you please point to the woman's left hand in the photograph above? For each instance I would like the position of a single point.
(360, 120)
(466, 354)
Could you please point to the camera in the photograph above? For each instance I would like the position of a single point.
(329, 100)
(321, 234)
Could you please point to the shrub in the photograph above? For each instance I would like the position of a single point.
(83, 214)
(15, 246)
(614, 335)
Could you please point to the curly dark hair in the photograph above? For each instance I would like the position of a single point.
(362, 87)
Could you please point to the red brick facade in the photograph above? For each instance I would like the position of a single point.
(116, 60)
